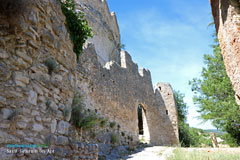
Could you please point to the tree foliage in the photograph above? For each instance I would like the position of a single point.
(76, 24)
(181, 106)
(188, 136)
(215, 96)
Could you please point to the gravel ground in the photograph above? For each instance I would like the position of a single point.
(152, 153)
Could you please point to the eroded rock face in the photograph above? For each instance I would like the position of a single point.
(105, 28)
(227, 22)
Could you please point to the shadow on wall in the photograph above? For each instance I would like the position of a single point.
(223, 5)
(12, 8)
(224, 10)
(15, 11)
(144, 135)
(171, 137)
(118, 92)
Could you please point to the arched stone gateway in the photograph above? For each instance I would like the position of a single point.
(144, 135)
(34, 104)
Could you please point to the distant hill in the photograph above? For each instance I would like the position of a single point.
(215, 131)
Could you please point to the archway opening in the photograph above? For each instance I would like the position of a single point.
(140, 120)
(143, 130)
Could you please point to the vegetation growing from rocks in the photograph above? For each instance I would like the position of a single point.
(51, 65)
(103, 122)
(82, 118)
(114, 138)
(112, 124)
(76, 24)
(130, 138)
(215, 96)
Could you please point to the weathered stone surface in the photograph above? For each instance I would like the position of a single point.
(105, 28)
(53, 106)
(5, 124)
(3, 100)
(61, 140)
(3, 54)
(6, 113)
(24, 56)
(166, 92)
(4, 155)
(37, 127)
(21, 79)
(47, 37)
(63, 127)
(53, 126)
(35, 113)
(51, 139)
(124, 89)
(227, 21)
(32, 98)
(26, 111)
(29, 140)
(6, 138)
(38, 119)
(21, 125)
(38, 89)
(108, 80)
(33, 17)
(58, 151)
(5, 73)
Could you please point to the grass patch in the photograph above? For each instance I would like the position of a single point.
(103, 122)
(114, 138)
(112, 124)
(181, 154)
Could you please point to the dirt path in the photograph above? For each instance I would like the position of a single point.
(152, 153)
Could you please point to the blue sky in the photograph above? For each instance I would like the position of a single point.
(169, 38)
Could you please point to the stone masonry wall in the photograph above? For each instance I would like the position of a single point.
(31, 100)
(116, 91)
(227, 21)
(105, 28)
(166, 91)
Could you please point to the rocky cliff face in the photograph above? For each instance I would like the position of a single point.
(227, 20)
(105, 28)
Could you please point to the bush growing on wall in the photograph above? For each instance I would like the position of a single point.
(77, 25)
(82, 118)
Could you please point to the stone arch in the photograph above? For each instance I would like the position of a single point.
(143, 126)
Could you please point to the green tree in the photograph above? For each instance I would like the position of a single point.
(181, 106)
(76, 24)
(185, 137)
(214, 94)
